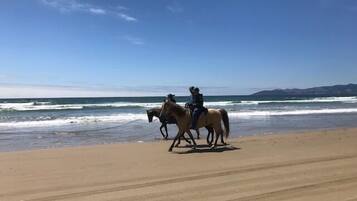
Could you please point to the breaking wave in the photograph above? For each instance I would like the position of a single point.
(248, 114)
(119, 118)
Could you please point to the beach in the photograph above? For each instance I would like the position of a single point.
(309, 165)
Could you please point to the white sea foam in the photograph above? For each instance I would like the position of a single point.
(118, 118)
(130, 117)
(33, 106)
(220, 103)
(351, 99)
(249, 114)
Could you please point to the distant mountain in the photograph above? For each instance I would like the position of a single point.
(336, 90)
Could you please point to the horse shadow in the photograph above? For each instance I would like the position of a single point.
(208, 149)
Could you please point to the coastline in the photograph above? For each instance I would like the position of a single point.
(299, 166)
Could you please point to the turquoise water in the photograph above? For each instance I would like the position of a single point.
(44, 123)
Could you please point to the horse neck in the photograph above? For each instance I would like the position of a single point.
(177, 111)
(156, 112)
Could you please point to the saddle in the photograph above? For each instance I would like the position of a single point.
(190, 109)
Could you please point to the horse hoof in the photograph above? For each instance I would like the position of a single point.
(170, 150)
(213, 146)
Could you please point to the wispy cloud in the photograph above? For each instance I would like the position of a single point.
(175, 7)
(50, 91)
(127, 17)
(97, 11)
(134, 40)
(122, 7)
(76, 6)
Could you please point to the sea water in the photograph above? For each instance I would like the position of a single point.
(46, 123)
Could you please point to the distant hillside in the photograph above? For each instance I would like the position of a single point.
(337, 90)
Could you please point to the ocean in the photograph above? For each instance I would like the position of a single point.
(59, 122)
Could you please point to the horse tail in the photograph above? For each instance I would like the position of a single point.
(225, 120)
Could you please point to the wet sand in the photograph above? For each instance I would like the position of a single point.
(316, 165)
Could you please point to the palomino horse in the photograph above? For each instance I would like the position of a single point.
(155, 112)
(213, 118)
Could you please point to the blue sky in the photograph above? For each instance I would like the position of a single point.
(128, 48)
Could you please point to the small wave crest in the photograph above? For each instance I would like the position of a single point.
(249, 114)
(312, 100)
(34, 106)
(118, 118)
(37, 105)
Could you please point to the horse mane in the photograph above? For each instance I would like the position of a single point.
(177, 109)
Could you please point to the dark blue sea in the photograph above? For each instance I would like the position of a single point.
(45, 123)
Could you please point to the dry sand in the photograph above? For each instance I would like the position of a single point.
(320, 165)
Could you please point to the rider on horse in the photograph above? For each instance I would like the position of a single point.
(171, 97)
(169, 119)
(196, 105)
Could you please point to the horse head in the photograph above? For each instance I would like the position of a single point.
(150, 115)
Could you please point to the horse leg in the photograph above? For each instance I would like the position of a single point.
(222, 140)
(215, 142)
(179, 141)
(187, 140)
(193, 140)
(162, 133)
(219, 132)
(198, 133)
(210, 135)
(167, 134)
(173, 143)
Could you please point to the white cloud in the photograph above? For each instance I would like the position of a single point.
(127, 17)
(98, 11)
(52, 91)
(122, 7)
(67, 5)
(175, 7)
(48, 91)
(76, 6)
(134, 40)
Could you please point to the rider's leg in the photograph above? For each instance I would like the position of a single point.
(195, 115)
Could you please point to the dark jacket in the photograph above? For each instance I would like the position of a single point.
(197, 101)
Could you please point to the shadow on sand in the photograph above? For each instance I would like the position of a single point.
(207, 149)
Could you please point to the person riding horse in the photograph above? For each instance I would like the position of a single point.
(170, 119)
(171, 97)
(196, 105)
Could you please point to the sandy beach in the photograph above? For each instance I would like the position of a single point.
(317, 165)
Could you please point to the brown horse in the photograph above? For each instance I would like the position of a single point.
(155, 112)
(213, 118)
